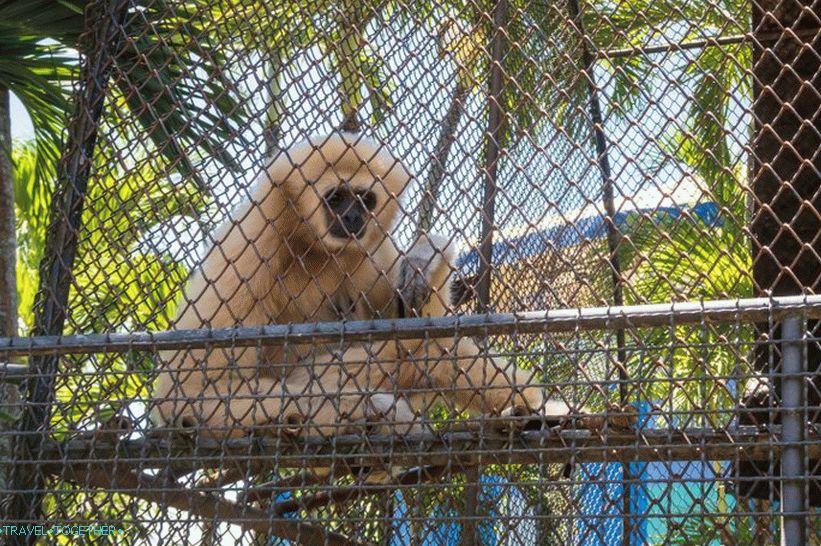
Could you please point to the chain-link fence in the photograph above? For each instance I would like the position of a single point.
(404, 273)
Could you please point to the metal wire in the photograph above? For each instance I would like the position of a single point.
(273, 223)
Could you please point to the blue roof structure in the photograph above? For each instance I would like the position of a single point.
(534, 243)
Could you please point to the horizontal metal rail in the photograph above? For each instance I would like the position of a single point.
(559, 320)
(715, 41)
(455, 448)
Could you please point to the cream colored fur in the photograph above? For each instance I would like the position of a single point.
(274, 262)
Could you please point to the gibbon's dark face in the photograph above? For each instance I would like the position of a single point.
(348, 211)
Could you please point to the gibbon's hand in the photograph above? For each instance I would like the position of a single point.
(423, 277)
(616, 417)
(414, 285)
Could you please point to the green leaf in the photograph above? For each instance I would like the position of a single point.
(8, 418)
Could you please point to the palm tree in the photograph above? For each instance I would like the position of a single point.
(691, 257)
(8, 240)
(464, 47)
(118, 285)
(40, 37)
(359, 66)
(36, 73)
(38, 60)
(541, 83)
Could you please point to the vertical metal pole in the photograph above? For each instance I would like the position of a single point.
(793, 399)
(492, 152)
(470, 537)
(104, 24)
(613, 234)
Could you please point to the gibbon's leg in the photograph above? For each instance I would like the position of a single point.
(476, 381)
(234, 406)
(368, 371)
(461, 375)
(482, 384)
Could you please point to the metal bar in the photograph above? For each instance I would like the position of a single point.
(455, 450)
(554, 320)
(208, 506)
(701, 44)
(342, 494)
(492, 154)
(104, 23)
(14, 373)
(470, 498)
(793, 467)
(613, 233)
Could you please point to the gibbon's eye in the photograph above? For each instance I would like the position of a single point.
(369, 200)
(334, 198)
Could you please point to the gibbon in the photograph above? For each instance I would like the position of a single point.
(313, 243)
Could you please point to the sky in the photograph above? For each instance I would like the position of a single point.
(21, 127)
(548, 175)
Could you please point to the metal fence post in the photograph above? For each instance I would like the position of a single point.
(613, 235)
(104, 27)
(793, 400)
(495, 125)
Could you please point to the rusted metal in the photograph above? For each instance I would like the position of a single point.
(458, 449)
(104, 24)
(492, 155)
(558, 320)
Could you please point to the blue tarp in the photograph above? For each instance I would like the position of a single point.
(535, 243)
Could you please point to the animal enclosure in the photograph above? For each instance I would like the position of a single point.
(405, 273)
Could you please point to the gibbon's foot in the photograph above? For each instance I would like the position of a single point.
(616, 417)
(392, 416)
(356, 413)
(552, 413)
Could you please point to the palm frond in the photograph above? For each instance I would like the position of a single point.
(60, 20)
(39, 75)
(177, 87)
(171, 73)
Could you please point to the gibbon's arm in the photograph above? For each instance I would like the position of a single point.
(326, 404)
(230, 286)
(457, 372)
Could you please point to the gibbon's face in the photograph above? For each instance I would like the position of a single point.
(356, 210)
(344, 189)
(348, 211)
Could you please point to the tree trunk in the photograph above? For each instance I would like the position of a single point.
(785, 183)
(8, 242)
(272, 133)
(9, 393)
(787, 109)
(447, 135)
(347, 47)
(103, 25)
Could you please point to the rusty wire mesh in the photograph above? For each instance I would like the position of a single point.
(566, 155)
